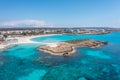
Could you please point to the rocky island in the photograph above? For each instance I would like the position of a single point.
(68, 47)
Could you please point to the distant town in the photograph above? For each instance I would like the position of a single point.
(38, 31)
(4, 32)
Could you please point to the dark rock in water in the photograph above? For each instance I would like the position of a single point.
(65, 54)
(82, 78)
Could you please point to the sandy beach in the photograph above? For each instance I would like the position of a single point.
(27, 40)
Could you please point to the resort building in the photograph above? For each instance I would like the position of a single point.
(10, 39)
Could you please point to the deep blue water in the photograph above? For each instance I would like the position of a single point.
(25, 62)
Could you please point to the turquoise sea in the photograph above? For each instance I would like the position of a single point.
(25, 62)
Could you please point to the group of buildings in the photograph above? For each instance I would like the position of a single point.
(22, 31)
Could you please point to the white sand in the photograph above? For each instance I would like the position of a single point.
(26, 39)
(52, 44)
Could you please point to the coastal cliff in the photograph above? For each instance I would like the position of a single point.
(68, 47)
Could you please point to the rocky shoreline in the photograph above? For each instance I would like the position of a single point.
(87, 42)
(68, 47)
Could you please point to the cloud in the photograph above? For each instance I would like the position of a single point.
(23, 23)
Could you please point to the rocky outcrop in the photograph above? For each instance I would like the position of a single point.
(68, 47)
(87, 42)
(60, 49)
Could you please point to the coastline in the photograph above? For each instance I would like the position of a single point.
(25, 40)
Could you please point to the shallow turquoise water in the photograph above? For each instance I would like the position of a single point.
(25, 62)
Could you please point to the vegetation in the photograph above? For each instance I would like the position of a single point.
(5, 35)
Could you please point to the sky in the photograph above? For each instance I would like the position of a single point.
(56, 13)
